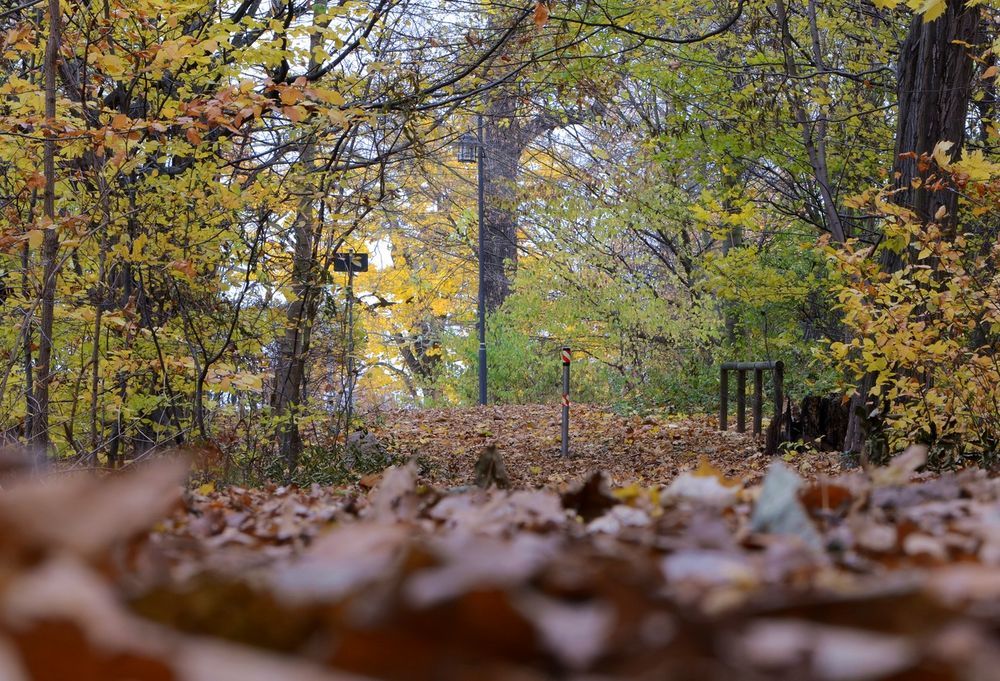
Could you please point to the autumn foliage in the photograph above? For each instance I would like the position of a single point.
(927, 332)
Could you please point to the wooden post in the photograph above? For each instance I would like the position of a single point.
(741, 401)
(779, 397)
(724, 398)
(758, 400)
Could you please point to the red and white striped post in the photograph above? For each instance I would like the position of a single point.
(566, 357)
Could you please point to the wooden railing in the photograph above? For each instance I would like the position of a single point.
(758, 368)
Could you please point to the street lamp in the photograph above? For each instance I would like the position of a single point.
(471, 150)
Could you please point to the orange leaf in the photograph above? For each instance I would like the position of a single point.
(541, 14)
(185, 267)
(192, 136)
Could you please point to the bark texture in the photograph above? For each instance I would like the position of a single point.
(507, 132)
(935, 75)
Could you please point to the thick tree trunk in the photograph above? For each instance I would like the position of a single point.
(502, 158)
(934, 91)
(507, 131)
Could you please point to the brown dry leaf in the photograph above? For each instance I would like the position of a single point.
(395, 497)
(206, 660)
(87, 515)
(709, 568)
(590, 497)
(826, 653)
(469, 563)
(343, 562)
(901, 468)
(825, 496)
(541, 13)
(63, 601)
(577, 634)
(500, 512)
(11, 667)
(874, 536)
(962, 584)
(708, 490)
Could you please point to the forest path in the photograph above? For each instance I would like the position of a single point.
(650, 450)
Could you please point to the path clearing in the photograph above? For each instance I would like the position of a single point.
(651, 450)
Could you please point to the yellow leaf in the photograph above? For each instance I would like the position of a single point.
(35, 237)
(705, 469)
(206, 489)
(440, 306)
(628, 493)
(975, 165)
(112, 64)
(886, 4)
(930, 9)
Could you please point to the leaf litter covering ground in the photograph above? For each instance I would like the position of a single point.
(650, 450)
(858, 577)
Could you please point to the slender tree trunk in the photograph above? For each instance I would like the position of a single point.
(814, 132)
(934, 91)
(50, 242)
(95, 355)
(293, 345)
(29, 387)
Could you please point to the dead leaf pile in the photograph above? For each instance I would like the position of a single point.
(887, 575)
(651, 449)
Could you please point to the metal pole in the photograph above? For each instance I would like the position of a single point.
(566, 356)
(350, 343)
(723, 398)
(480, 163)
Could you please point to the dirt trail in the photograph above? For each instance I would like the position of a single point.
(651, 450)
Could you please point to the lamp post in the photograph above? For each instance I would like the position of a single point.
(471, 150)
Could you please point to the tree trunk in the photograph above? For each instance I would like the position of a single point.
(502, 158)
(293, 346)
(507, 131)
(50, 242)
(935, 84)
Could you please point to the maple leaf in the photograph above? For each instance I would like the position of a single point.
(185, 267)
(930, 9)
(976, 166)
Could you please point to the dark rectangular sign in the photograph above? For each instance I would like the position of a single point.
(350, 262)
